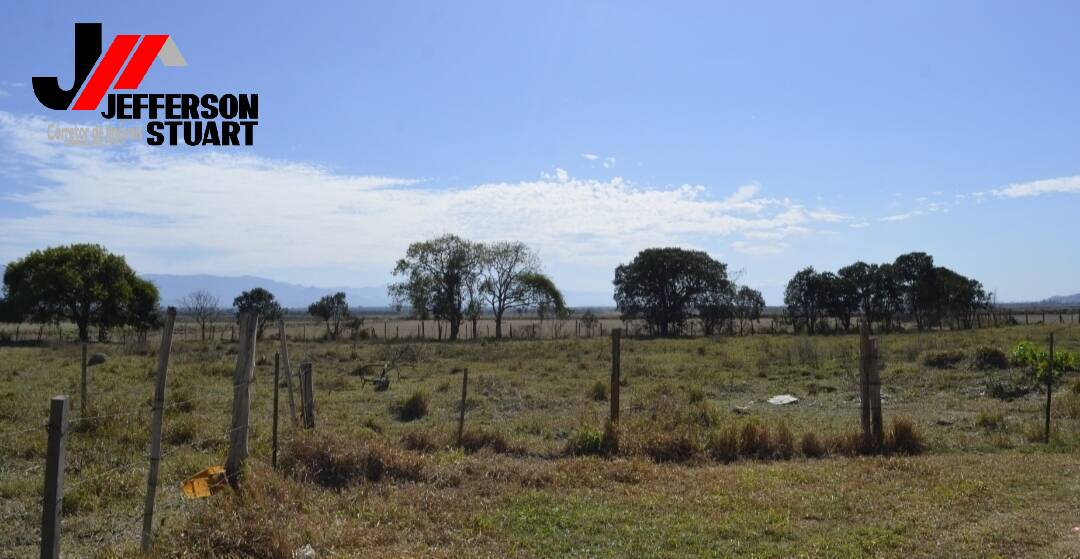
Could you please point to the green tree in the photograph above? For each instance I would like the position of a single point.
(83, 283)
(749, 304)
(438, 274)
(332, 309)
(805, 297)
(262, 303)
(665, 286)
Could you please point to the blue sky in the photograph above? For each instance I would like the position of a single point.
(772, 135)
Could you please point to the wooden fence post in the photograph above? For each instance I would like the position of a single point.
(616, 355)
(1049, 389)
(277, 381)
(82, 384)
(242, 380)
(870, 389)
(288, 371)
(54, 478)
(155, 428)
(307, 391)
(461, 411)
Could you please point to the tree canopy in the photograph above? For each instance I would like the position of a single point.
(83, 283)
(262, 303)
(666, 286)
(332, 309)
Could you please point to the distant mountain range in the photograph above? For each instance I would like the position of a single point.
(173, 288)
(1073, 299)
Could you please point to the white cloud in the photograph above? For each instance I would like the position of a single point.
(1039, 187)
(859, 225)
(902, 217)
(183, 211)
(590, 156)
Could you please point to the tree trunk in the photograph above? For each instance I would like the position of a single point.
(498, 325)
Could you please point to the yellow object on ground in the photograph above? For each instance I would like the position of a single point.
(205, 483)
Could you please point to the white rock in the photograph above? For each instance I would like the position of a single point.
(782, 400)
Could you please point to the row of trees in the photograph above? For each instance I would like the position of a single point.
(453, 279)
(911, 288)
(667, 287)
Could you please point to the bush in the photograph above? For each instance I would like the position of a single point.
(723, 444)
(810, 446)
(412, 408)
(941, 359)
(903, 438)
(987, 358)
(598, 392)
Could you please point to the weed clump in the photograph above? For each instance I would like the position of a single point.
(336, 462)
(678, 445)
(811, 446)
(754, 441)
(991, 421)
(903, 438)
(473, 440)
(412, 408)
(988, 358)
(598, 392)
(723, 444)
(941, 359)
(592, 441)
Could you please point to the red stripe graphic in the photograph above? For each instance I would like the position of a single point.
(140, 62)
(106, 71)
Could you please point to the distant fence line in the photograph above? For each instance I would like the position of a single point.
(396, 327)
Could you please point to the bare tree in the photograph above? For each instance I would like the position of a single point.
(503, 265)
(203, 307)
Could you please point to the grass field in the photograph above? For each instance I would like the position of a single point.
(367, 483)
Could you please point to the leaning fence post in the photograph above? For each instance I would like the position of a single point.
(461, 410)
(82, 383)
(277, 381)
(307, 391)
(616, 353)
(155, 428)
(242, 379)
(1049, 389)
(54, 478)
(288, 370)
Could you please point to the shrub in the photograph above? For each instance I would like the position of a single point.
(695, 395)
(598, 392)
(754, 441)
(941, 359)
(810, 446)
(783, 442)
(723, 444)
(987, 358)
(903, 438)
(848, 443)
(412, 408)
